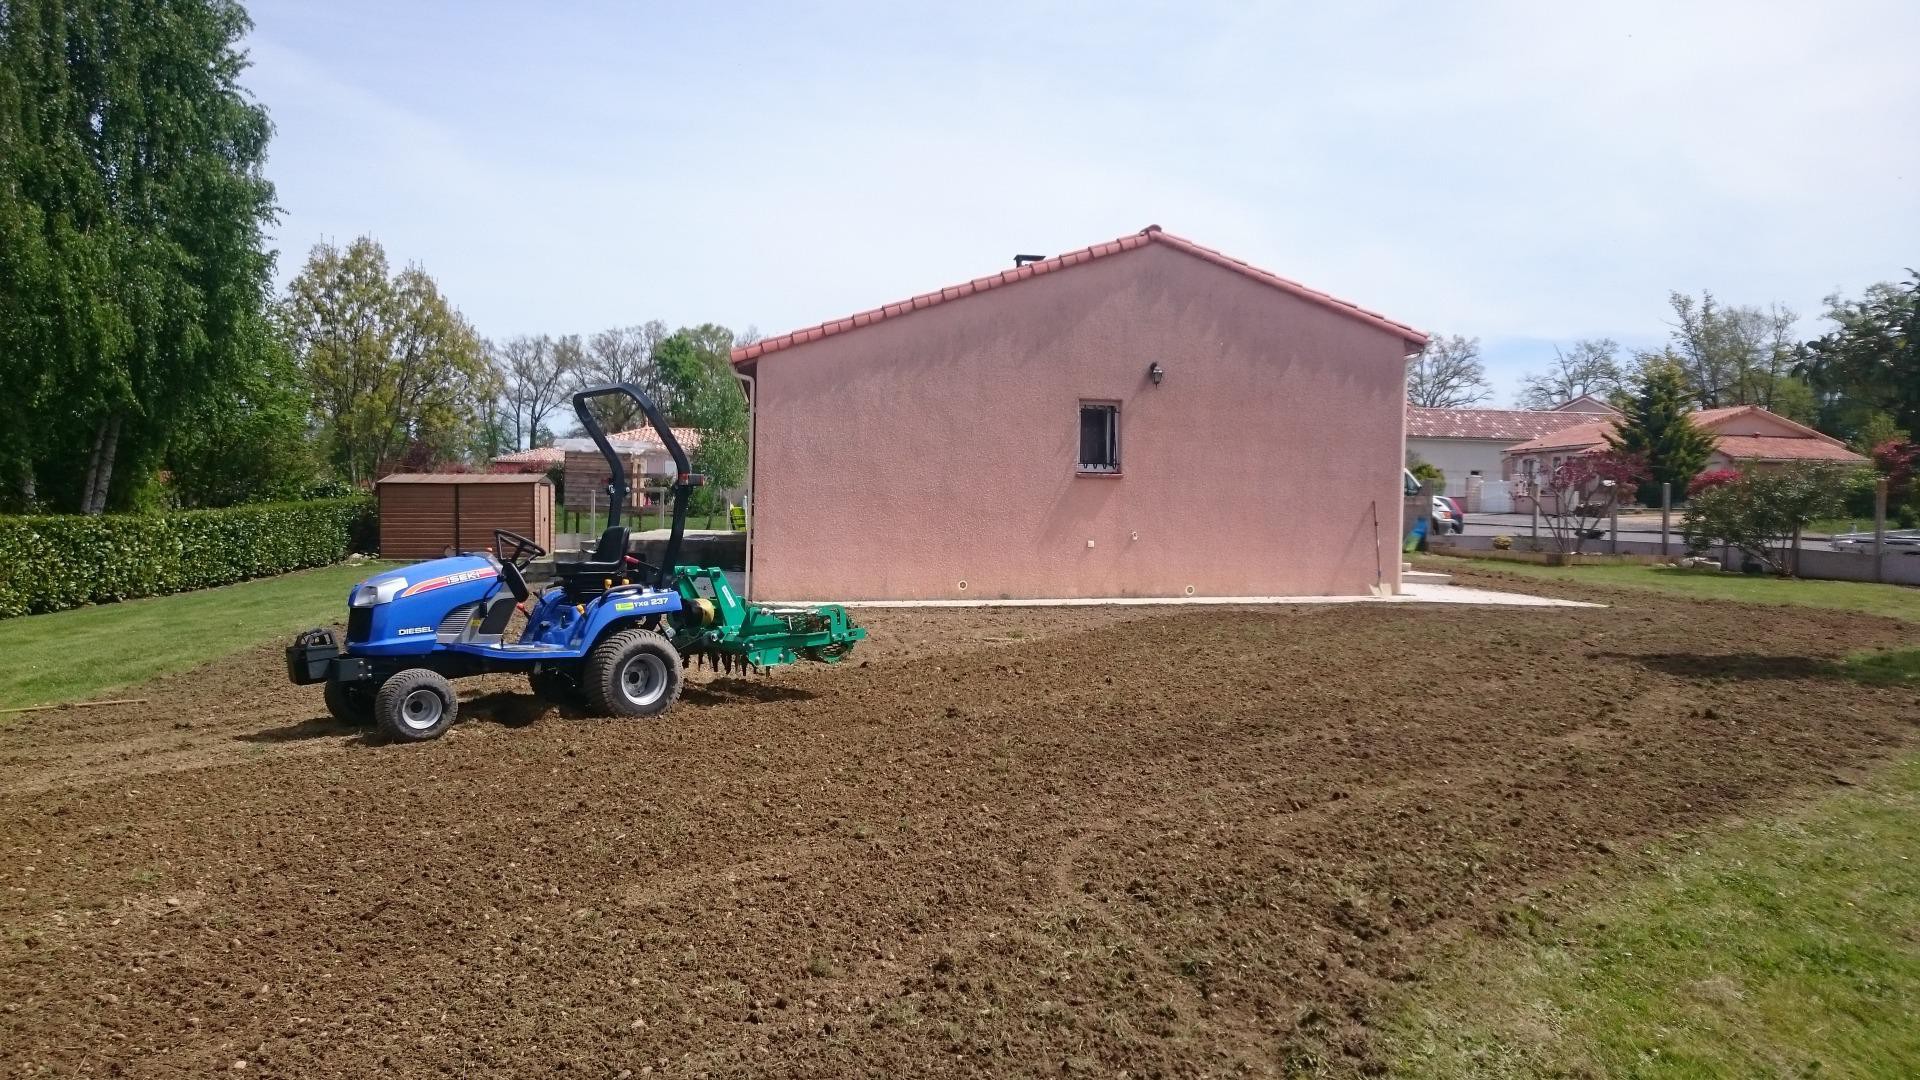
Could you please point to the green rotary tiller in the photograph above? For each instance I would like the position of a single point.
(716, 628)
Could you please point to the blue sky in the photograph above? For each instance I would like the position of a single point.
(1524, 173)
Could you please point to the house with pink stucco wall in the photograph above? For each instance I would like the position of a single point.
(1142, 417)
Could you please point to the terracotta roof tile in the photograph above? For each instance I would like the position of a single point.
(1805, 444)
(553, 455)
(1509, 425)
(1783, 448)
(1150, 234)
(1577, 437)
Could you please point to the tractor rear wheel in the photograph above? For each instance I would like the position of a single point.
(350, 703)
(415, 705)
(632, 673)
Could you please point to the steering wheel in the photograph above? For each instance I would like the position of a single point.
(524, 550)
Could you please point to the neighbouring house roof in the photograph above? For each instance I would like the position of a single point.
(1578, 437)
(547, 455)
(689, 439)
(1796, 442)
(463, 478)
(1152, 234)
(1586, 403)
(1782, 448)
(1505, 425)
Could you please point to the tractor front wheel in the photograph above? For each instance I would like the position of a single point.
(415, 705)
(350, 703)
(633, 673)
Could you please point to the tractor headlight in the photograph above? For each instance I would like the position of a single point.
(375, 593)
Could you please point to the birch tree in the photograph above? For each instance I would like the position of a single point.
(132, 215)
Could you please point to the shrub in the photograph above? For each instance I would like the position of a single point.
(1503, 543)
(1763, 511)
(1711, 479)
(1427, 473)
(48, 563)
(1584, 489)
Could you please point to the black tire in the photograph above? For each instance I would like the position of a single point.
(632, 673)
(350, 703)
(556, 687)
(415, 705)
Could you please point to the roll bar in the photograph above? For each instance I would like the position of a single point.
(684, 481)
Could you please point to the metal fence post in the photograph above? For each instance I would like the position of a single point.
(1666, 512)
(1880, 529)
(1533, 496)
(1613, 524)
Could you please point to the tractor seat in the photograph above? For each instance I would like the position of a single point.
(608, 559)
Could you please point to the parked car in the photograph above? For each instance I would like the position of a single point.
(1443, 516)
(1459, 512)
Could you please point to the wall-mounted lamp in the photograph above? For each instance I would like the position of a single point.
(1156, 373)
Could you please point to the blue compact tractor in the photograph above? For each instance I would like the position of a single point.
(609, 635)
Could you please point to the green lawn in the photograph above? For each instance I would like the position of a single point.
(1896, 601)
(71, 655)
(1786, 948)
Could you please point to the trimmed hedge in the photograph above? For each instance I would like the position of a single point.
(48, 563)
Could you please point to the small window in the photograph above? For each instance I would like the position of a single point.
(1099, 438)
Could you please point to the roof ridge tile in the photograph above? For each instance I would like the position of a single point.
(1150, 234)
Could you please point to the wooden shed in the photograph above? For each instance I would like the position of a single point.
(427, 515)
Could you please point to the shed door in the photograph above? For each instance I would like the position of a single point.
(416, 520)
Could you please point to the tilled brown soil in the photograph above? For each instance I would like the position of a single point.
(1158, 842)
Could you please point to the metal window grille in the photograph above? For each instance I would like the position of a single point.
(1099, 438)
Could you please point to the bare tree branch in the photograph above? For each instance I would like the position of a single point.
(1589, 366)
(1448, 374)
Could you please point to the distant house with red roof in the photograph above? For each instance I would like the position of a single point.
(1471, 442)
(1142, 417)
(1742, 434)
(637, 441)
(586, 475)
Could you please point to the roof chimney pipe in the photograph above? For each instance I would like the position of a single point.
(1022, 260)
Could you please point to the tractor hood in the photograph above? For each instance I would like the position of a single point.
(431, 576)
(400, 610)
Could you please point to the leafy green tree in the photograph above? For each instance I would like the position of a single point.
(1870, 363)
(394, 371)
(1656, 429)
(1876, 428)
(132, 214)
(1733, 355)
(695, 370)
(250, 441)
